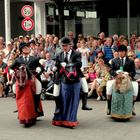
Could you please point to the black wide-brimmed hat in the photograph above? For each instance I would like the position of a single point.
(22, 45)
(65, 41)
(122, 48)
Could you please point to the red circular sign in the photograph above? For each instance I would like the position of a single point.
(27, 11)
(27, 24)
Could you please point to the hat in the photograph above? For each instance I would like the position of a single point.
(32, 41)
(122, 48)
(121, 71)
(20, 36)
(65, 41)
(22, 45)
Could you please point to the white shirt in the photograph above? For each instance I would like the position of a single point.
(68, 54)
(123, 60)
(26, 57)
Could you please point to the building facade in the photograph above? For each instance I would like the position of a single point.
(81, 16)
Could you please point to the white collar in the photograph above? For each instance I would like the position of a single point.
(124, 58)
(69, 52)
(26, 56)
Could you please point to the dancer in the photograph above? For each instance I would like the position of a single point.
(28, 86)
(68, 64)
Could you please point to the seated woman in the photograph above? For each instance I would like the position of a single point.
(90, 73)
(121, 94)
(102, 75)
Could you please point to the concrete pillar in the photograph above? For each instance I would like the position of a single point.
(128, 19)
(7, 21)
(40, 18)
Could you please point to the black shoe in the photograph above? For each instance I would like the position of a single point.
(133, 113)
(15, 111)
(86, 108)
(108, 112)
(27, 125)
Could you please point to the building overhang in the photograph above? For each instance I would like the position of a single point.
(48, 0)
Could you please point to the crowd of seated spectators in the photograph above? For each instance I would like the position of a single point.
(97, 53)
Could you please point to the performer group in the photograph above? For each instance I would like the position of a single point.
(70, 83)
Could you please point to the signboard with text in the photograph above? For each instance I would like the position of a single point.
(27, 24)
(27, 11)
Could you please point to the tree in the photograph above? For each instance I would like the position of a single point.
(60, 4)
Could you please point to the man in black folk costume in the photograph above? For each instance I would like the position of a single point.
(68, 63)
(28, 86)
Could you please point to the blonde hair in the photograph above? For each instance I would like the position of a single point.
(122, 83)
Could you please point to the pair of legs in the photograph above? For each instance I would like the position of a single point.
(93, 86)
(99, 92)
(96, 85)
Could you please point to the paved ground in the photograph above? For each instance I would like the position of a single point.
(94, 125)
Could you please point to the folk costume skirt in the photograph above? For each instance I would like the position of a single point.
(26, 103)
(69, 99)
(122, 104)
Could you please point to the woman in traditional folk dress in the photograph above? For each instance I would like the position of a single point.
(121, 93)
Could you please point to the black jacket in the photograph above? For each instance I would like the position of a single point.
(31, 66)
(75, 58)
(129, 66)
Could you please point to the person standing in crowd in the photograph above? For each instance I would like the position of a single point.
(7, 51)
(108, 50)
(84, 54)
(73, 41)
(137, 68)
(2, 44)
(70, 85)
(51, 47)
(137, 49)
(3, 65)
(28, 87)
(133, 41)
(56, 46)
(94, 50)
(48, 65)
